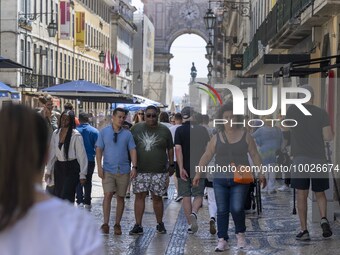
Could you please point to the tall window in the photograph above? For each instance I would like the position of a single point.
(47, 62)
(69, 67)
(56, 64)
(85, 71)
(22, 52)
(51, 63)
(76, 74)
(35, 7)
(72, 26)
(41, 11)
(65, 66)
(72, 69)
(40, 61)
(61, 65)
(83, 75)
(28, 54)
(34, 59)
(46, 12)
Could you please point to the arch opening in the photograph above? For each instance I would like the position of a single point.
(186, 48)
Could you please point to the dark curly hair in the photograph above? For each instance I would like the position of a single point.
(72, 125)
(226, 108)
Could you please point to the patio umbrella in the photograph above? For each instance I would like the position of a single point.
(132, 107)
(88, 91)
(148, 101)
(6, 91)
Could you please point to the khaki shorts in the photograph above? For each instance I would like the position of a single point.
(116, 183)
(154, 182)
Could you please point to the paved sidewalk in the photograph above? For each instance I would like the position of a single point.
(271, 233)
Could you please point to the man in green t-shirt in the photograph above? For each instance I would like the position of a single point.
(154, 151)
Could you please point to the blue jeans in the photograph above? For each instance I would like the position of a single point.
(230, 198)
(84, 192)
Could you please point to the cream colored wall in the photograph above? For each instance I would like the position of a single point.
(88, 55)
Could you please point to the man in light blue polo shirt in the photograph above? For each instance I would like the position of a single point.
(115, 144)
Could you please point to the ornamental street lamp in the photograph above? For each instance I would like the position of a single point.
(209, 77)
(210, 67)
(128, 72)
(101, 57)
(209, 48)
(209, 18)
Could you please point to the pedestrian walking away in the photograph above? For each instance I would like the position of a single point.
(191, 140)
(307, 148)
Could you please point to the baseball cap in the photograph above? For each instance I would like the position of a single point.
(187, 112)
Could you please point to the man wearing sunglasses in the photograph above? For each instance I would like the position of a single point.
(154, 149)
(115, 144)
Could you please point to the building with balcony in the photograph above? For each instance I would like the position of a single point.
(122, 34)
(287, 31)
(143, 56)
(83, 32)
(293, 30)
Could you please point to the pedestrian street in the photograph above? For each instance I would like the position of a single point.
(271, 233)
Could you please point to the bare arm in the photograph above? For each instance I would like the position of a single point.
(171, 156)
(179, 157)
(327, 134)
(133, 156)
(206, 157)
(99, 156)
(171, 168)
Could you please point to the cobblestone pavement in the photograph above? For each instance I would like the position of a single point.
(271, 233)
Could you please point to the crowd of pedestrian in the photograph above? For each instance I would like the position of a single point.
(144, 154)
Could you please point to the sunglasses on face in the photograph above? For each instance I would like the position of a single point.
(141, 113)
(149, 115)
(115, 137)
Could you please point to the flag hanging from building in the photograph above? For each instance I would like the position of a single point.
(117, 66)
(108, 62)
(80, 29)
(113, 70)
(65, 19)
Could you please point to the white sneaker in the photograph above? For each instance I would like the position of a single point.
(241, 240)
(222, 245)
(193, 221)
(88, 207)
(283, 188)
(81, 205)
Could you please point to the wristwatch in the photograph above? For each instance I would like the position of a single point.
(172, 165)
(134, 167)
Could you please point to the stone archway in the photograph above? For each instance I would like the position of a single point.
(173, 18)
